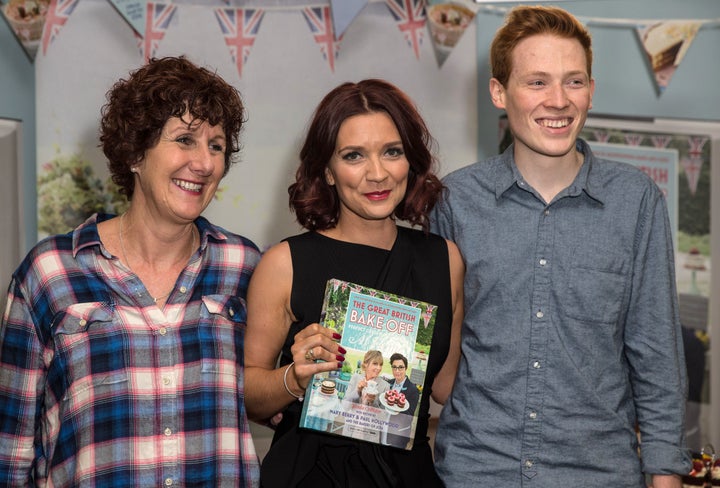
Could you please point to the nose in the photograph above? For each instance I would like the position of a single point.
(376, 170)
(201, 162)
(557, 96)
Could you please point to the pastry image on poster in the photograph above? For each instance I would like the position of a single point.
(27, 19)
(447, 22)
(358, 401)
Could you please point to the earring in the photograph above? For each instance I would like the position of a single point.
(133, 169)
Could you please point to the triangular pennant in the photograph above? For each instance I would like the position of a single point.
(239, 27)
(692, 167)
(665, 44)
(343, 13)
(26, 22)
(320, 22)
(447, 23)
(409, 16)
(157, 21)
(57, 14)
(133, 11)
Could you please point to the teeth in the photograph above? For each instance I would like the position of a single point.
(555, 124)
(186, 185)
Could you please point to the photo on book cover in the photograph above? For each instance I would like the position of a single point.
(376, 395)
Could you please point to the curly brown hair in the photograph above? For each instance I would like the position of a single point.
(137, 109)
(315, 202)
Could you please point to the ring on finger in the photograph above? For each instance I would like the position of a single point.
(310, 355)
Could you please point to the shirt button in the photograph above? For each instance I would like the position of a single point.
(536, 365)
(528, 464)
(533, 415)
(168, 431)
(83, 322)
(163, 331)
(168, 481)
(539, 314)
(166, 380)
(183, 289)
(546, 212)
(231, 312)
(543, 262)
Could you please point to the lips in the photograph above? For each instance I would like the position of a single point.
(188, 186)
(554, 123)
(378, 195)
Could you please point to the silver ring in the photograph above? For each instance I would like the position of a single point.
(310, 355)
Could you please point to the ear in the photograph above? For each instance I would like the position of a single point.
(497, 93)
(592, 91)
(329, 178)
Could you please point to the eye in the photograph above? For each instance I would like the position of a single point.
(395, 152)
(352, 156)
(185, 140)
(537, 83)
(219, 148)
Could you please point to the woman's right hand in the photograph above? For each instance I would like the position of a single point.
(315, 342)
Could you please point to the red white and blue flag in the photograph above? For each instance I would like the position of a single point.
(57, 14)
(157, 21)
(320, 22)
(410, 18)
(239, 27)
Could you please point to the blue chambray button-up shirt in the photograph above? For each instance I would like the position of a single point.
(571, 336)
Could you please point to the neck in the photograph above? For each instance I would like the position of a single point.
(550, 175)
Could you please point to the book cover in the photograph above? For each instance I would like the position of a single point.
(376, 395)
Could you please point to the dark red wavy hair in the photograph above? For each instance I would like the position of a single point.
(315, 202)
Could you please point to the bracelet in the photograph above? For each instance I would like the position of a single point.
(299, 397)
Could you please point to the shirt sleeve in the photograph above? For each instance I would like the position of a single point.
(441, 217)
(653, 344)
(22, 377)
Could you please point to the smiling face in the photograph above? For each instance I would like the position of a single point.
(372, 369)
(398, 370)
(547, 96)
(178, 177)
(368, 168)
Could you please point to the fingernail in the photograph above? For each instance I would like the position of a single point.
(336, 335)
(340, 358)
(340, 365)
(341, 350)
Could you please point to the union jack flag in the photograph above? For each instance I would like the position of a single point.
(410, 18)
(661, 141)
(57, 14)
(157, 20)
(693, 167)
(239, 26)
(634, 139)
(320, 22)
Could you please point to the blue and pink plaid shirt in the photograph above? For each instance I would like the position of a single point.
(101, 388)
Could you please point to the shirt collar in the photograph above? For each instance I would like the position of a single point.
(587, 181)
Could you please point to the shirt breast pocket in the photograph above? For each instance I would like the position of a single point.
(596, 289)
(221, 332)
(90, 348)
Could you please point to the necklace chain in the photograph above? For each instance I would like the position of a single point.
(124, 255)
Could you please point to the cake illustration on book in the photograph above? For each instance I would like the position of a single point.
(353, 402)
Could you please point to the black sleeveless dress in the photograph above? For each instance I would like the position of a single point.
(417, 267)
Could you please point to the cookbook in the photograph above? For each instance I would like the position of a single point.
(370, 398)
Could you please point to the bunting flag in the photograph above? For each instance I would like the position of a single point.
(157, 20)
(665, 44)
(133, 11)
(661, 141)
(26, 23)
(693, 164)
(447, 22)
(239, 27)
(601, 135)
(409, 16)
(58, 13)
(320, 22)
(343, 13)
(633, 139)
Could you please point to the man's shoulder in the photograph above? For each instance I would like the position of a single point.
(474, 171)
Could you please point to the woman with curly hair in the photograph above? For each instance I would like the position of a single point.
(121, 347)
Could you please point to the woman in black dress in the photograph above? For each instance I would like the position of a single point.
(366, 162)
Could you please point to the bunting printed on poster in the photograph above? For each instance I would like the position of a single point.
(26, 23)
(157, 20)
(693, 164)
(661, 141)
(343, 13)
(633, 139)
(665, 44)
(409, 16)
(133, 11)
(58, 13)
(239, 27)
(447, 22)
(320, 22)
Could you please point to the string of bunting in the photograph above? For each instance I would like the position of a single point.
(37, 23)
